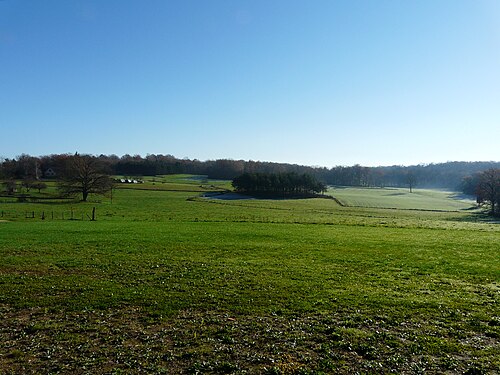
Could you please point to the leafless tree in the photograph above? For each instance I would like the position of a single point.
(28, 183)
(84, 175)
(10, 186)
(488, 189)
(39, 186)
(411, 180)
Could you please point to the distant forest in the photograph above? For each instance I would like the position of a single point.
(448, 175)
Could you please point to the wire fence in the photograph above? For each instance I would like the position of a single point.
(49, 214)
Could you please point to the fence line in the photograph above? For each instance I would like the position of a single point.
(50, 214)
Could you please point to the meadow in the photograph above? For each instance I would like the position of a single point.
(169, 281)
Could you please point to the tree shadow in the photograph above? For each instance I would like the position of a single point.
(461, 196)
(477, 217)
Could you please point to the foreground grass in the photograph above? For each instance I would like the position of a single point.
(165, 283)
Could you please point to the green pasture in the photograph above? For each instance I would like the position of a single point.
(420, 199)
(168, 281)
(177, 182)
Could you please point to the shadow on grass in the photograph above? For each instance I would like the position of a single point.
(461, 196)
(475, 216)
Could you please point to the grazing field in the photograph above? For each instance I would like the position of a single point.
(167, 281)
(420, 199)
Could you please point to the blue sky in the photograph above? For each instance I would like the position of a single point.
(310, 82)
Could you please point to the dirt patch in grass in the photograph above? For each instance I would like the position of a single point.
(130, 340)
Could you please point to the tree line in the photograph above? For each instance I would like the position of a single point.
(278, 184)
(444, 175)
(89, 174)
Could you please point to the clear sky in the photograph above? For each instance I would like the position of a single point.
(310, 82)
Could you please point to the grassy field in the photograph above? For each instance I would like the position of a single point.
(420, 199)
(166, 281)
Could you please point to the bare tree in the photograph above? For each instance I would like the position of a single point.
(411, 180)
(488, 189)
(10, 186)
(84, 175)
(39, 186)
(28, 183)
